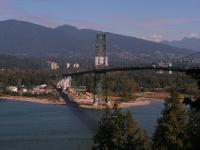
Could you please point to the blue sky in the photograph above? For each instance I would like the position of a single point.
(149, 19)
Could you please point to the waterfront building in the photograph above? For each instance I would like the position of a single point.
(12, 88)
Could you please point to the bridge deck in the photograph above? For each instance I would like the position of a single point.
(105, 70)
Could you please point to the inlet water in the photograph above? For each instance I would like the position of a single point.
(30, 126)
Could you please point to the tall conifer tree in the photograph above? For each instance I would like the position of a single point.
(170, 132)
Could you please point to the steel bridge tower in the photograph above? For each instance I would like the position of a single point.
(101, 62)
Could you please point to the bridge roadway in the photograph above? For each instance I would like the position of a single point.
(105, 70)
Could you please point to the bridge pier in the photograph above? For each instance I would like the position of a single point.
(100, 89)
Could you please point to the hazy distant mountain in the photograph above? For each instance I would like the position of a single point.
(189, 43)
(24, 38)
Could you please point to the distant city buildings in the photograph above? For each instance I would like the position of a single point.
(76, 65)
(54, 66)
(68, 65)
(165, 64)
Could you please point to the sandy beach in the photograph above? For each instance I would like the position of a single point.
(139, 102)
(143, 99)
(34, 100)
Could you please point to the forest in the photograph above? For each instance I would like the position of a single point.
(123, 84)
(178, 128)
(29, 72)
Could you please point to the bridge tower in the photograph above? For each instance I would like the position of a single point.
(101, 59)
(101, 62)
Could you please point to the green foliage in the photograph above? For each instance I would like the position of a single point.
(124, 84)
(194, 129)
(105, 133)
(27, 78)
(21, 62)
(117, 131)
(136, 138)
(119, 120)
(170, 132)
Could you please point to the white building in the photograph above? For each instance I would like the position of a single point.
(40, 89)
(68, 65)
(76, 65)
(12, 89)
(54, 66)
(24, 90)
(165, 64)
(170, 64)
(43, 85)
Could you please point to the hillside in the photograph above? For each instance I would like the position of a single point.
(29, 39)
(190, 43)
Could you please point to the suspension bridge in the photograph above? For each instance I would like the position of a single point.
(101, 68)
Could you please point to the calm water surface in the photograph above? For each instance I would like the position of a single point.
(30, 126)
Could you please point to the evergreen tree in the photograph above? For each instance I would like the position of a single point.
(170, 132)
(111, 131)
(194, 129)
(136, 138)
(119, 120)
(103, 140)
(117, 131)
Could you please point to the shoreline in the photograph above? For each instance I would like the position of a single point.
(140, 101)
(45, 101)
(123, 105)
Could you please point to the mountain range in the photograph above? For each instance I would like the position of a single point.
(22, 38)
(189, 43)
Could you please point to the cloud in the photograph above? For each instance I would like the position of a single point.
(86, 24)
(154, 38)
(194, 35)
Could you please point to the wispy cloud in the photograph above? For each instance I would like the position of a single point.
(87, 24)
(154, 38)
(194, 35)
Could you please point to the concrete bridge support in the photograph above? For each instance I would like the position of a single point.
(100, 91)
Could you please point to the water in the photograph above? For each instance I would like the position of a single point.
(29, 126)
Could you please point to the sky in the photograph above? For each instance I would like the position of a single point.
(154, 20)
